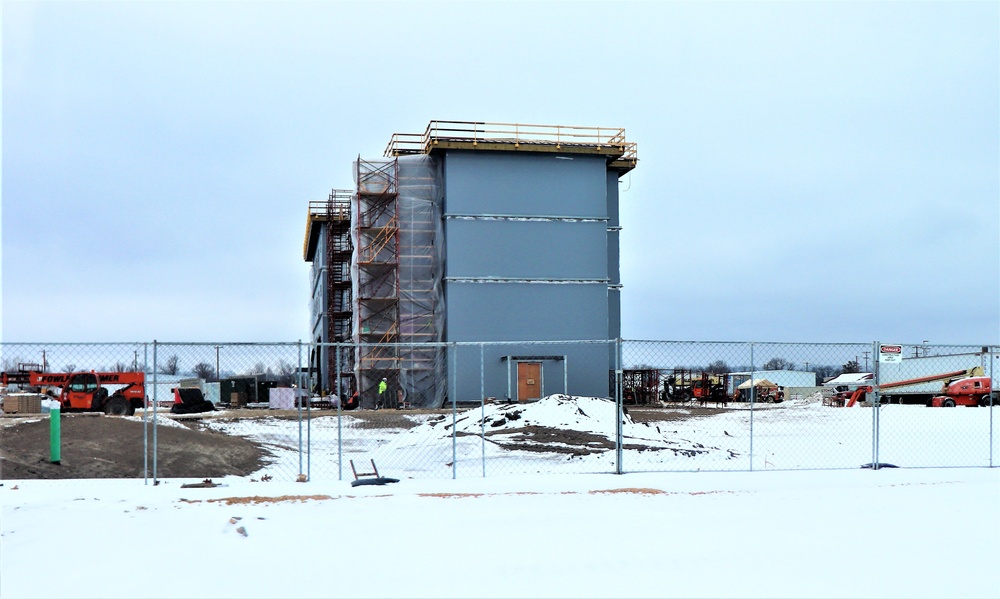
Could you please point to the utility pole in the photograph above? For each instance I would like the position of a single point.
(865, 353)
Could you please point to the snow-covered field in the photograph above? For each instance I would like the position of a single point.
(844, 533)
(534, 526)
(502, 439)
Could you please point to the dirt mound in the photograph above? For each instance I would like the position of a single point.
(98, 446)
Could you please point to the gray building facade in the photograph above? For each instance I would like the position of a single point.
(521, 245)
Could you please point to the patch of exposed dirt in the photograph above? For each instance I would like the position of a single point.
(449, 495)
(630, 491)
(668, 414)
(99, 446)
(545, 439)
(257, 499)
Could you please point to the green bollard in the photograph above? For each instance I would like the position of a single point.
(54, 434)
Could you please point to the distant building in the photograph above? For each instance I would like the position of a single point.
(851, 379)
(471, 232)
(782, 378)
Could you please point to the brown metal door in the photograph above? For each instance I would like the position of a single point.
(529, 380)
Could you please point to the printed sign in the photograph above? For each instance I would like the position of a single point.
(890, 354)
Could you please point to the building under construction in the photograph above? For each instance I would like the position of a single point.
(470, 232)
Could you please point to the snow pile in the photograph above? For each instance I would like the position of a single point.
(567, 427)
(161, 420)
(561, 434)
(815, 398)
(585, 414)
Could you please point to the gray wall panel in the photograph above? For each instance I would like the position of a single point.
(612, 198)
(525, 184)
(614, 313)
(532, 249)
(584, 371)
(525, 311)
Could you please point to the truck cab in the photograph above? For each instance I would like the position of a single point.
(83, 391)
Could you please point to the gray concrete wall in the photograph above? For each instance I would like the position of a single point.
(318, 303)
(486, 197)
(527, 249)
(483, 371)
(525, 311)
(614, 257)
(525, 184)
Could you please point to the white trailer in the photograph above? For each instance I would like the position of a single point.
(916, 380)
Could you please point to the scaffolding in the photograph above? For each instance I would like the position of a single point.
(328, 232)
(340, 308)
(422, 371)
(376, 231)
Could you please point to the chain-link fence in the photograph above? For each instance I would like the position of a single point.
(336, 411)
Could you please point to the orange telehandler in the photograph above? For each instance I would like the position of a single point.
(88, 391)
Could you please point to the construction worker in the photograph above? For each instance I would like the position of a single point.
(382, 386)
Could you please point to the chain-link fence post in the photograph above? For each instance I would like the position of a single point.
(145, 416)
(619, 407)
(453, 394)
(155, 404)
(340, 439)
(297, 395)
(482, 401)
(993, 392)
(298, 414)
(753, 394)
(876, 405)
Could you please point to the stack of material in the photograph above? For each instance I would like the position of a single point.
(23, 403)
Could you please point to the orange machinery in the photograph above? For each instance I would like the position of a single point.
(88, 391)
(959, 388)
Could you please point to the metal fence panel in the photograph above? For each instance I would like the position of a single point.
(546, 407)
(746, 406)
(680, 416)
(921, 422)
(257, 387)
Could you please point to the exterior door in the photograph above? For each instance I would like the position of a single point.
(529, 381)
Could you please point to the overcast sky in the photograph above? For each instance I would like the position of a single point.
(808, 171)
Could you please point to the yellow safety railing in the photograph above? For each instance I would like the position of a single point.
(325, 209)
(515, 133)
(405, 143)
(337, 207)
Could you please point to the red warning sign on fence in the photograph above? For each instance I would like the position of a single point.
(888, 354)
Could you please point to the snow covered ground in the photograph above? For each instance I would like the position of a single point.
(842, 533)
(543, 522)
(535, 439)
